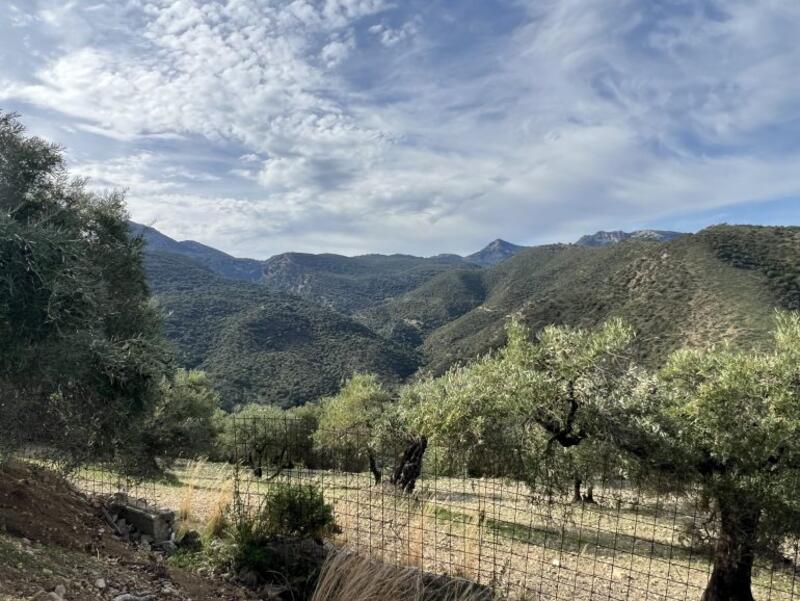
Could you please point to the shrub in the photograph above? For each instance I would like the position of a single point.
(298, 510)
(293, 511)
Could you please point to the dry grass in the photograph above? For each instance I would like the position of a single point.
(495, 532)
(186, 504)
(217, 518)
(352, 577)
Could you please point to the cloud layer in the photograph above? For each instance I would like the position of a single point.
(352, 126)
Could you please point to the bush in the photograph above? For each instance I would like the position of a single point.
(293, 511)
(298, 510)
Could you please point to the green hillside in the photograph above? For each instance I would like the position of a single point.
(217, 261)
(350, 284)
(260, 345)
(333, 315)
(721, 284)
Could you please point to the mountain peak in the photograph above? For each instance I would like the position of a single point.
(603, 238)
(493, 253)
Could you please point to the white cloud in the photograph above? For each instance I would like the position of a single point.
(583, 113)
(392, 36)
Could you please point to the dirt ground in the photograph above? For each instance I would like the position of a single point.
(52, 535)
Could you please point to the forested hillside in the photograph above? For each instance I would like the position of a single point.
(349, 284)
(262, 346)
(721, 284)
(311, 320)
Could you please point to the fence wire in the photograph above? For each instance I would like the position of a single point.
(623, 539)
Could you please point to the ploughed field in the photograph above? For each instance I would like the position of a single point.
(631, 544)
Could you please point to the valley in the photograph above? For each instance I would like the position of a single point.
(290, 329)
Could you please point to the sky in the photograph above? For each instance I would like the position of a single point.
(416, 126)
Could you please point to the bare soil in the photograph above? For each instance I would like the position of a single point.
(51, 534)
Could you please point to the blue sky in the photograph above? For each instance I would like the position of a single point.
(352, 126)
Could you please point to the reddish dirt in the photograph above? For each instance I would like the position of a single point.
(41, 506)
(52, 535)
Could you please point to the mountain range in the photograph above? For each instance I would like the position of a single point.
(289, 329)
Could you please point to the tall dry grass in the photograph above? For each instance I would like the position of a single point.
(217, 520)
(352, 577)
(195, 472)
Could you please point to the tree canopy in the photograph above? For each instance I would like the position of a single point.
(81, 354)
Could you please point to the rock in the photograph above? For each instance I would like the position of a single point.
(167, 547)
(138, 597)
(100, 583)
(61, 590)
(191, 541)
(156, 523)
(249, 578)
(45, 596)
(291, 563)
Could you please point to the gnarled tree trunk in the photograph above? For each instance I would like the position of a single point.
(576, 488)
(734, 552)
(410, 466)
(373, 466)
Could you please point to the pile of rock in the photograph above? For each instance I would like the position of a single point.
(152, 528)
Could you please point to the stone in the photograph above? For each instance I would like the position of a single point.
(292, 563)
(60, 590)
(191, 541)
(167, 547)
(100, 583)
(45, 596)
(156, 523)
(137, 597)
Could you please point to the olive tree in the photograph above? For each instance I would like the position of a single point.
(504, 413)
(467, 426)
(720, 422)
(728, 421)
(262, 436)
(350, 421)
(81, 354)
(182, 423)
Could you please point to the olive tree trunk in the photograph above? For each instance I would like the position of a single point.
(734, 552)
(410, 466)
(373, 466)
(576, 490)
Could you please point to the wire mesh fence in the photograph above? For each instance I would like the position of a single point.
(611, 535)
(617, 537)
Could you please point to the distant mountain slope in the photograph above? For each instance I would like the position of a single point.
(216, 260)
(494, 253)
(315, 319)
(721, 284)
(602, 238)
(409, 318)
(262, 346)
(350, 284)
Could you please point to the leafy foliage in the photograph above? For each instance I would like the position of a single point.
(182, 423)
(297, 510)
(352, 422)
(267, 436)
(81, 354)
(285, 511)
